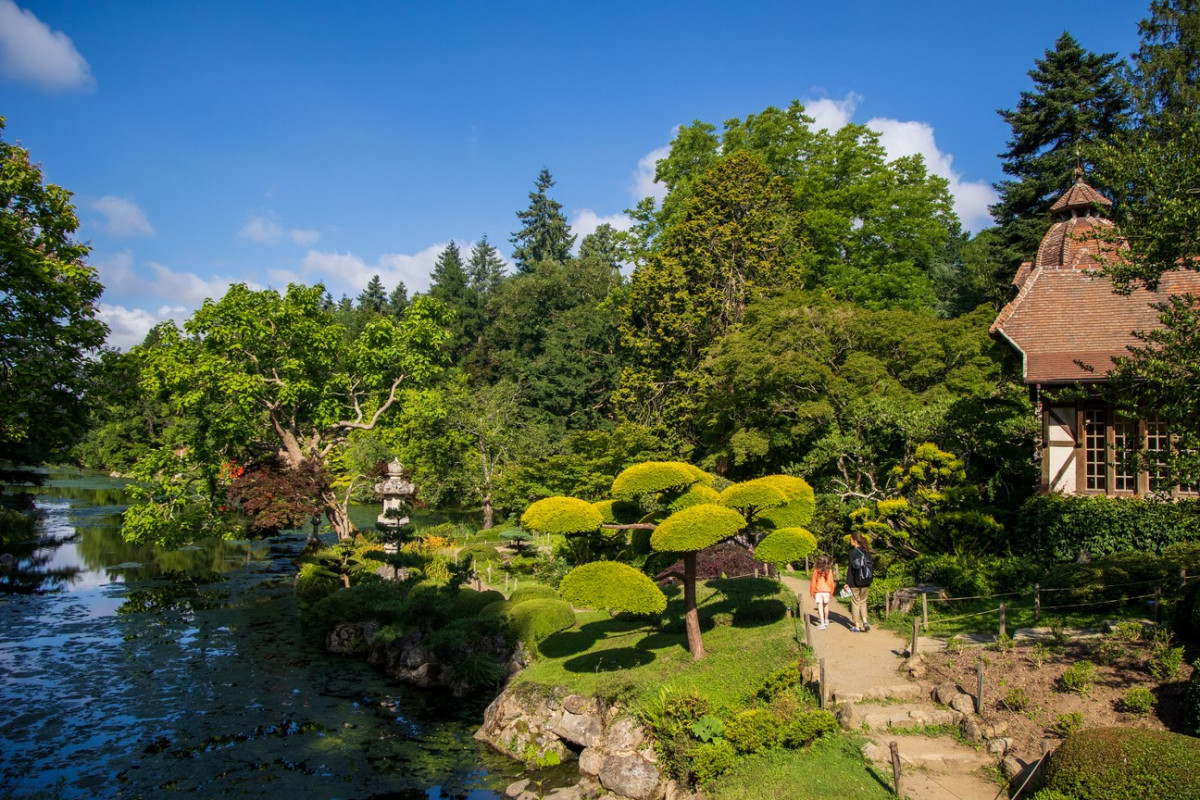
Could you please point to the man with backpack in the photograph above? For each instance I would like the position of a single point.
(858, 578)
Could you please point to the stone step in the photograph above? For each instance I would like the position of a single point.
(937, 754)
(881, 718)
(896, 691)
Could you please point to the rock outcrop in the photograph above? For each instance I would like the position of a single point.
(548, 725)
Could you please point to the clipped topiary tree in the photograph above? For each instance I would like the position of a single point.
(656, 478)
(534, 591)
(687, 532)
(800, 507)
(562, 515)
(612, 586)
(785, 545)
(533, 620)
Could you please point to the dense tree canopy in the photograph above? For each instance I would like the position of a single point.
(545, 234)
(48, 325)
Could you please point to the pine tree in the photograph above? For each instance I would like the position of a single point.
(1166, 67)
(398, 300)
(373, 298)
(485, 267)
(604, 245)
(546, 236)
(1076, 100)
(449, 284)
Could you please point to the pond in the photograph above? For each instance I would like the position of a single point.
(132, 672)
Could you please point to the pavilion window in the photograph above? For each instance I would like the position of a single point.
(1095, 443)
(1158, 443)
(1124, 446)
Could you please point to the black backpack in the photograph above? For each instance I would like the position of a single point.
(863, 572)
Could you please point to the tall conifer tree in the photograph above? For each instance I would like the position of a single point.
(1076, 100)
(546, 236)
(485, 267)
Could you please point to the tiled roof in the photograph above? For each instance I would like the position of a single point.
(1075, 243)
(1080, 196)
(1064, 321)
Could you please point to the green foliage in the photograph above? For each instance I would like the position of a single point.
(315, 581)
(1165, 662)
(1138, 700)
(753, 730)
(532, 592)
(711, 760)
(481, 552)
(1058, 527)
(1079, 677)
(696, 527)
(696, 494)
(1069, 724)
(708, 728)
(562, 515)
(808, 726)
(619, 512)
(14, 527)
(1016, 699)
(545, 234)
(1124, 764)
(479, 670)
(469, 603)
(750, 496)
(48, 305)
(533, 620)
(785, 546)
(379, 601)
(655, 477)
(613, 586)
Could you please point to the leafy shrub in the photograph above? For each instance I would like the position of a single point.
(534, 620)
(711, 760)
(1138, 700)
(614, 586)
(1165, 662)
(1124, 764)
(724, 560)
(15, 526)
(532, 592)
(779, 682)
(753, 730)
(1067, 725)
(523, 565)
(1051, 794)
(481, 552)
(807, 727)
(1079, 677)
(316, 581)
(1108, 651)
(381, 601)
(707, 728)
(1129, 630)
(495, 610)
(468, 602)
(1058, 527)
(1016, 699)
(972, 575)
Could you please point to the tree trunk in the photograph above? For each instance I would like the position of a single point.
(691, 614)
(337, 515)
(489, 513)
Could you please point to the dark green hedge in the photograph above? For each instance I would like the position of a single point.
(1126, 764)
(1059, 527)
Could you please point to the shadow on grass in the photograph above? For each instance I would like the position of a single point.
(613, 660)
(586, 636)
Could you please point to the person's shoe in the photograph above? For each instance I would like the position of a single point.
(866, 627)
(822, 627)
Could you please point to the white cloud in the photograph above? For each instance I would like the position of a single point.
(586, 221)
(156, 284)
(971, 198)
(266, 229)
(346, 273)
(644, 184)
(31, 52)
(830, 114)
(122, 217)
(129, 326)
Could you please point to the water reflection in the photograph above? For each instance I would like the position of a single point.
(152, 672)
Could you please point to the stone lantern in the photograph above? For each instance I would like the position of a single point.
(396, 492)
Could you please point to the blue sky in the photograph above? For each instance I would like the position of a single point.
(268, 142)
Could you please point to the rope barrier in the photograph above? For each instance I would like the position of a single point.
(965, 616)
(977, 597)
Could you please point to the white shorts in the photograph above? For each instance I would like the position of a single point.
(822, 598)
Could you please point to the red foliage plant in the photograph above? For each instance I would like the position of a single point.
(725, 559)
(274, 496)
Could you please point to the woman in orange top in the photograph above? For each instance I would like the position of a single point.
(821, 588)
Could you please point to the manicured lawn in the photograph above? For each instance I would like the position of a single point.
(632, 660)
(831, 769)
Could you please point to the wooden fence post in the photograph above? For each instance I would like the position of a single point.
(1037, 602)
(912, 650)
(979, 689)
(887, 603)
(1157, 602)
(925, 610)
(1003, 620)
(823, 687)
(895, 749)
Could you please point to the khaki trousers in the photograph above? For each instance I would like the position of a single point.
(858, 605)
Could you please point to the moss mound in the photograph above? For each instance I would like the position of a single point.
(534, 620)
(534, 591)
(1126, 764)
